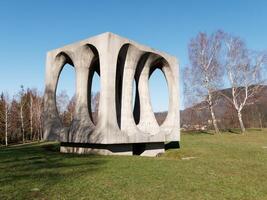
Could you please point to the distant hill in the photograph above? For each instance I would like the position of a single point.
(198, 116)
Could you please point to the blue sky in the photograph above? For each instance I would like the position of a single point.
(31, 28)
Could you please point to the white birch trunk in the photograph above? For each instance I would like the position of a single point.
(239, 114)
(31, 116)
(22, 124)
(213, 118)
(260, 120)
(6, 124)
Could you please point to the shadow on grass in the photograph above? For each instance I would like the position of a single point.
(44, 165)
(198, 132)
(172, 145)
(238, 131)
(234, 131)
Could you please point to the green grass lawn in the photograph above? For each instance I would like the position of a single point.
(230, 166)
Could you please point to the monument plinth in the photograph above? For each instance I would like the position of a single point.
(120, 128)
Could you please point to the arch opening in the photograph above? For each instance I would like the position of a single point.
(136, 102)
(119, 79)
(65, 94)
(159, 93)
(94, 90)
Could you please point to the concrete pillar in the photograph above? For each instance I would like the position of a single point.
(119, 128)
(128, 125)
(82, 126)
(148, 122)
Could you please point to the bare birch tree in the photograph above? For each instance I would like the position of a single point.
(244, 74)
(71, 107)
(38, 113)
(5, 117)
(7, 104)
(204, 75)
(62, 104)
(31, 113)
(22, 104)
(95, 105)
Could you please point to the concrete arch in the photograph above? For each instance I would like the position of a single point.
(139, 67)
(147, 123)
(95, 69)
(160, 64)
(165, 67)
(60, 61)
(121, 58)
(141, 63)
(170, 123)
(122, 128)
(84, 58)
(128, 124)
(53, 122)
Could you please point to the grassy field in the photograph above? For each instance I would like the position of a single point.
(230, 166)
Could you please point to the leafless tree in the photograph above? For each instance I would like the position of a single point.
(95, 105)
(204, 75)
(71, 107)
(22, 104)
(21, 117)
(31, 113)
(38, 113)
(5, 117)
(62, 103)
(244, 74)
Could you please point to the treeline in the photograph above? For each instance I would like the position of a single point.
(21, 117)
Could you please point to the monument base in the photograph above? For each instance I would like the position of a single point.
(142, 149)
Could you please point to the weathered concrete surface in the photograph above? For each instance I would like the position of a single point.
(119, 62)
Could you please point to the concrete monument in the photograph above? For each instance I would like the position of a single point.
(120, 129)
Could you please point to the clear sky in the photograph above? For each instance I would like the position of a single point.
(28, 29)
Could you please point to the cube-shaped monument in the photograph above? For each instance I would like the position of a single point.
(120, 128)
